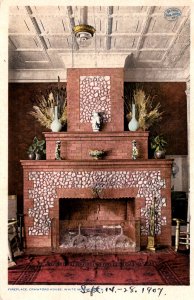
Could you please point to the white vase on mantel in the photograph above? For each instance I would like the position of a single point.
(133, 124)
(56, 125)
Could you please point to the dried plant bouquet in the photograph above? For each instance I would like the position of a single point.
(146, 113)
(43, 110)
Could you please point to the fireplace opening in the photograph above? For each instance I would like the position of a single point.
(98, 225)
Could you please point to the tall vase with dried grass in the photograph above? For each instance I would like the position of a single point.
(147, 114)
(56, 124)
(45, 111)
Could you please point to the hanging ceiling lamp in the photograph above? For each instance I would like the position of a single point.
(83, 34)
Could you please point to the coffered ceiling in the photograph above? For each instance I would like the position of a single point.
(140, 39)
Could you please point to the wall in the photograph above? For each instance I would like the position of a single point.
(180, 181)
(173, 102)
(23, 127)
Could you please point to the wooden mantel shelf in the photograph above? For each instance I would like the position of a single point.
(95, 135)
(141, 163)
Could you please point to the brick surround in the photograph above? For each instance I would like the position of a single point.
(45, 182)
(118, 145)
(77, 175)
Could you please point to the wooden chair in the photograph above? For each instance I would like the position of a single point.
(14, 230)
(13, 241)
(182, 234)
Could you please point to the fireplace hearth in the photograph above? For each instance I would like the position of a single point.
(98, 225)
(104, 238)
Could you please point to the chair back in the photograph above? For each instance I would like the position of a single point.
(12, 207)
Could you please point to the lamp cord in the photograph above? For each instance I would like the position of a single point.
(95, 54)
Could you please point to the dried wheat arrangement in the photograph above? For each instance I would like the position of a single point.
(146, 112)
(43, 110)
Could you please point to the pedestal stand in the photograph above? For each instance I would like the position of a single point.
(151, 243)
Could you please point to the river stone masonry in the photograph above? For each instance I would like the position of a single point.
(149, 184)
(95, 97)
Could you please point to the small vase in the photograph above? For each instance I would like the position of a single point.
(159, 154)
(31, 155)
(133, 124)
(56, 124)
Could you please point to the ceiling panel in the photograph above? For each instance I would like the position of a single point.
(176, 49)
(183, 39)
(47, 10)
(120, 10)
(186, 29)
(183, 61)
(162, 9)
(58, 42)
(52, 24)
(140, 31)
(157, 42)
(159, 24)
(94, 10)
(20, 24)
(98, 23)
(126, 25)
(17, 10)
(25, 42)
(99, 43)
(125, 42)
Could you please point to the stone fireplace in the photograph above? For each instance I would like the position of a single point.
(78, 204)
(47, 183)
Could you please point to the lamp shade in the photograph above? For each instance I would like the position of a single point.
(83, 34)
